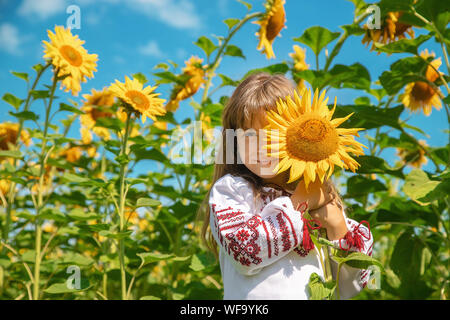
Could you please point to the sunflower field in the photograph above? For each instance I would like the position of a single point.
(77, 222)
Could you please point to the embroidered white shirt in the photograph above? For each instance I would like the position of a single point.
(259, 251)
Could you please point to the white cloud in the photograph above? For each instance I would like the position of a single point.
(42, 9)
(179, 14)
(176, 13)
(10, 40)
(151, 49)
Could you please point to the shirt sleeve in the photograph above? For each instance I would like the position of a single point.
(358, 238)
(252, 240)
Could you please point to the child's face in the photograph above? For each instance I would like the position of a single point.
(251, 152)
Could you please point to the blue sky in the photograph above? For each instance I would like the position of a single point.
(134, 36)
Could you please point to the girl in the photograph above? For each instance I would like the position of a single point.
(255, 217)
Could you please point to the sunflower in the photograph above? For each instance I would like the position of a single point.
(299, 57)
(271, 24)
(69, 56)
(142, 100)
(306, 139)
(391, 30)
(421, 95)
(195, 70)
(415, 158)
(8, 136)
(96, 106)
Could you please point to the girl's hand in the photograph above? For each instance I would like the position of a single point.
(318, 194)
(332, 218)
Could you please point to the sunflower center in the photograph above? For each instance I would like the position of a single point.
(71, 55)
(312, 139)
(98, 113)
(138, 99)
(422, 91)
(276, 23)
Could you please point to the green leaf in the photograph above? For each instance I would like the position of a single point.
(147, 202)
(65, 107)
(12, 100)
(21, 75)
(59, 288)
(369, 117)
(358, 260)
(80, 215)
(226, 81)
(201, 261)
(403, 45)
(110, 123)
(248, 5)
(11, 154)
(149, 298)
(234, 51)
(318, 289)
(115, 235)
(403, 71)
(272, 69)
(149, 257)
(140, 77)
(25, 115)
(76, 259)
(358, 185)
(418, 185)
(206, 45)
(317, 38)
(40, 94)
(372, 164)
(231, 22)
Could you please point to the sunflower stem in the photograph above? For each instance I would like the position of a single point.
(122, 199)
(216, 61)
(438, 35)
(340, 42)
(11, 194)
(43, 159)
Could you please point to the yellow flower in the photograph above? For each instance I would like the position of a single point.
(196, 72)
(270, 26)
(5, 185)
(72, 154)
(299, 56)
(8, 134)
(69, 56)
(415, 158)
(206, 126)
(391, 30)
(141, 99)
(306, 139)
(420, 95)
(96, 106)
(49, 227)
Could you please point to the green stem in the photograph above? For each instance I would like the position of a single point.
(438, 36)
(11, 193)
(337, 280)
(328, 274)
(123, 169)
(216, 61)
(43, 158)
(341, 41)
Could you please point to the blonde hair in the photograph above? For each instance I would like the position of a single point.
(256, 94)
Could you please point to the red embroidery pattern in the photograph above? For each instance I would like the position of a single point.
(245, 249)
(301, 251)
(229, 215)
(269, 254)
(284, 232)
(275, 237)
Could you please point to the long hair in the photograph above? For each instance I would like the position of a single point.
(256, 94)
